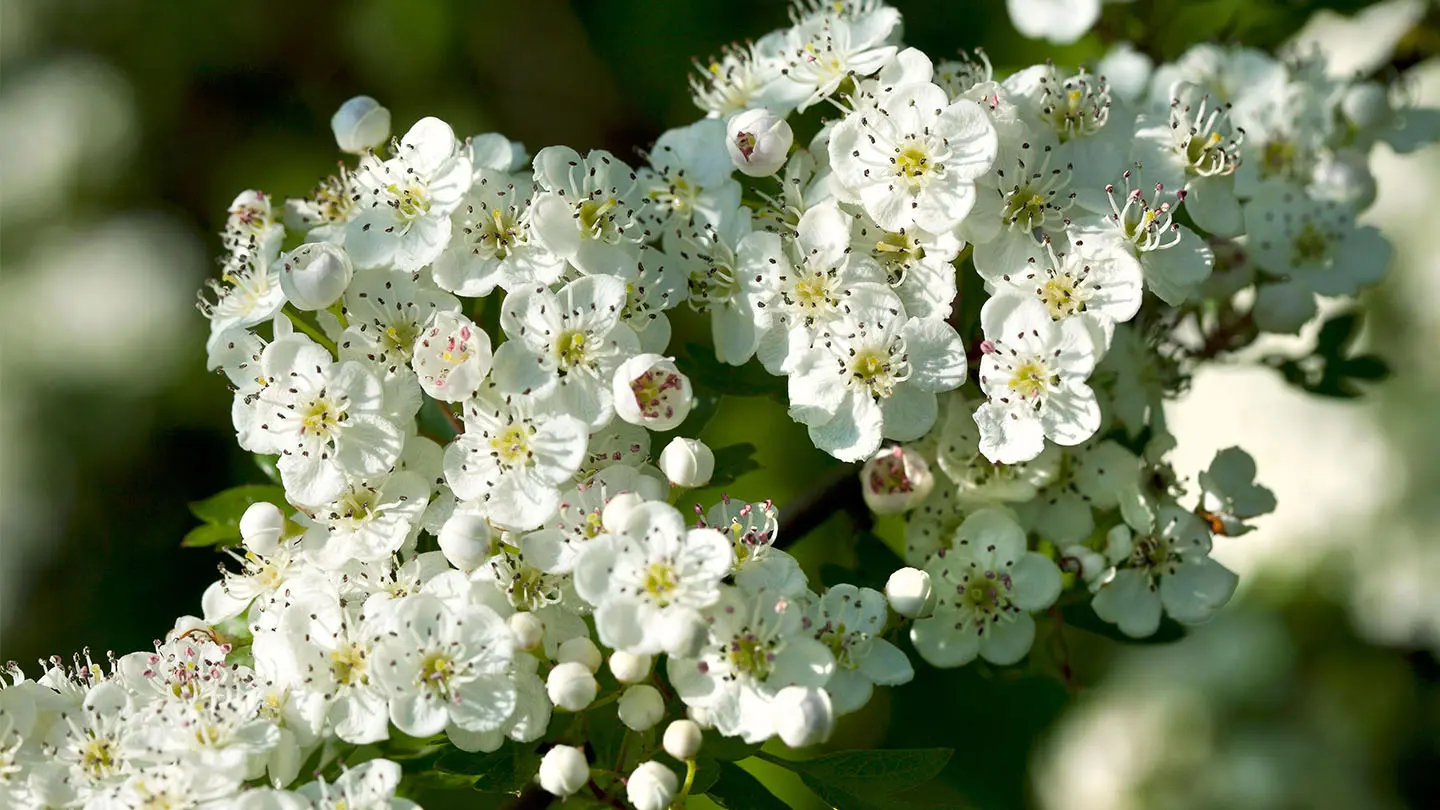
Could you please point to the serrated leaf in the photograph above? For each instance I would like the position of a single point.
(1080, 615)
(225, 508)
(738, 789)
(211, 534)
(872, 775)
(731, 462)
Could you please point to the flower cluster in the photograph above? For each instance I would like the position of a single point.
(457, 355)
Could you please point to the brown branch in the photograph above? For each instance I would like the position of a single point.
(838, 492)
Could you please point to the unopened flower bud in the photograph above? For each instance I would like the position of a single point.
(1345, 177)
(465, 540)
(641, 707)
(687, 462)
(682, 739)
(896, 479)
(803, 716)
(910, 593)
(261, 527)
(563, 770)
(580, 650)
(360, 124)
(758, 141)
(527, 629)
(651, 392)
(651, 786)
(315, 275)
(571, 686)
(629, 667)
(683, 633)
(618, 510)
(1367, 105)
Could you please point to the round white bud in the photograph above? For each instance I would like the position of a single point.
(527, 629)
(650, 391)
(465, 540)
(629, 667)
(618, 510)
(896, 479)
(910, 593)
(1345, 177)
(315, 275)
(641, 707)
(651, 786)
(563, 770)
(758, 142)
(580, 650)
(571, 686)
(687, 462)
(1367, 105)
(803, 715)
(682, 739)
(683, 633)
(360, 124)
(261, 527)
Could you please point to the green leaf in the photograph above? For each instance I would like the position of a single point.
(268, 465)
(225, 508)
(727, 749)
(1366, 367)
(706, 373)
(868, 780)
(507, 770)
(1337, 333)
(1079, 615)
(737, 789)
(211, 534)
(732, 462)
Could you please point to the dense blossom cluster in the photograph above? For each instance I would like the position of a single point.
(469, 584)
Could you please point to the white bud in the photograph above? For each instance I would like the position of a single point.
(700, 716)
(563, 770)
(896, 479)
(803, 715)
(261, 527)
(1345, 177)
(571, 686)
(580, 650)
(629, 667)
(683, 633)
(527, 629)
(315, 275)
(465, 540)
(618, 510)
(651, 786)
(682, 739)
(687, 462)
(641, 707)
(910, 593)
(360, 124)
(1367, 105)
(758, 141)
(650, 391)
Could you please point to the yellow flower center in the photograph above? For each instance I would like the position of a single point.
(512, 446)
(1030, 379)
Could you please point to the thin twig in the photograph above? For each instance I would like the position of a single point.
(533, 797)
(838, 492)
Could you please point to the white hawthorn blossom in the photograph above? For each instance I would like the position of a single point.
(912, 161)
(1033, 371)
(987, 584)
(405, 202)
(651, 577)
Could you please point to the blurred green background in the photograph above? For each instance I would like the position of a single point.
(127, 127)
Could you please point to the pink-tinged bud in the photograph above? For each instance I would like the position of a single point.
(758, 141)
(895, 479)
(649, 391)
